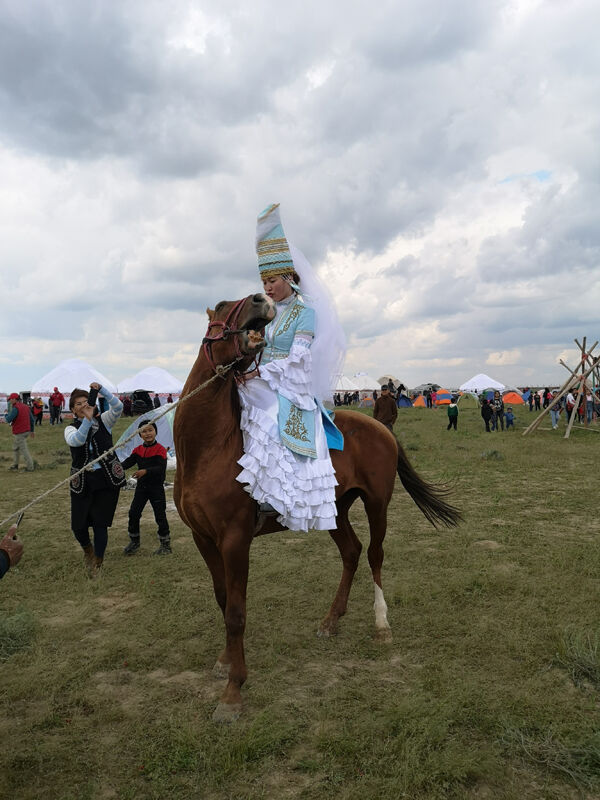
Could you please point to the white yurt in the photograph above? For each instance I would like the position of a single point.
(365, 382)
(344, 384)
(68, 375)
(480, 382)
(152, 379)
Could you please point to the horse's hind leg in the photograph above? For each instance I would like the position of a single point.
(214, 562)
(350, 548)
(377, 516)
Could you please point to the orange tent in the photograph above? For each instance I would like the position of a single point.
(419, 402)
(444, 398)
(512, 399)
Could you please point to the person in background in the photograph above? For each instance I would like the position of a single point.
(11, 550)
(433, 399)
(569, 404)
(452, 415)
(589, 404)
(498, 411)
(510, 418)
(385, 409)
(156, 401)
(56, 402)
(554, 415)
(546, 397)
(127, 412)
(94, 492)
(530, 400)
(536, 400)
(20, 417)
(37, 408)
(486, 413)
(150, 458)
(169, 398)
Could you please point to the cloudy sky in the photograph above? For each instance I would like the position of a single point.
(436, 160)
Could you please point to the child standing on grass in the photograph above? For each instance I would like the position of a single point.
(452, 415)
(151, 461)
(510, 418)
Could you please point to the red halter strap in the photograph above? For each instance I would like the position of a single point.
(227, 327)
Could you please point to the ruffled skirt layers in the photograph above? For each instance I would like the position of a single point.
(300, 489)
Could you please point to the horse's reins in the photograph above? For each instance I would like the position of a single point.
(219, 370)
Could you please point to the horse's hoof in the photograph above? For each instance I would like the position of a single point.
(220, 670)
(383, 635)
(325, 631)
(226, 713)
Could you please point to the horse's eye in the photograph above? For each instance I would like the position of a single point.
(220, 305)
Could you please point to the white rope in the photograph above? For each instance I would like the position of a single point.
(220, 373)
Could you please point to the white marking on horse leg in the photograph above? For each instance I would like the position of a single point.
(382, 626)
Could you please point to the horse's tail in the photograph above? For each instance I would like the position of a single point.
(430, 498)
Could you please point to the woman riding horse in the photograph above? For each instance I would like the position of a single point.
(280, 416)
(287, 433)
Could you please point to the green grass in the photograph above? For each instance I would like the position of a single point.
(490, 688)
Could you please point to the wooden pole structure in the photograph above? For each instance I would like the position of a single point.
(585, 361)
(590, 366)
(584, 388)
(591, 387)
(561, 392)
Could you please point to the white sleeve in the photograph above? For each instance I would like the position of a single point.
(292, 376)
(115, 407)
(75, 437)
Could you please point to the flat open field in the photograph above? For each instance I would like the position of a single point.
(490, 688)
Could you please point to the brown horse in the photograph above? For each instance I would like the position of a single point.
(224, 518)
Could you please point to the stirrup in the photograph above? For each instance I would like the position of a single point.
(267, 509)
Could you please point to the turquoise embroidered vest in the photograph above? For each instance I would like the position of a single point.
(296, 425)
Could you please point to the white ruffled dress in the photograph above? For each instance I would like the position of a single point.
(300, 488)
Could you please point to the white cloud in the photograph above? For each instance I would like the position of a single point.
(504, 358)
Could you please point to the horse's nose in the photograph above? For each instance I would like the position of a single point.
(258, 298)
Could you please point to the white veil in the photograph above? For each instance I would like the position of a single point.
(329, 346)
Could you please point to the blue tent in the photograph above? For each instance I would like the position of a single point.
(403, 401)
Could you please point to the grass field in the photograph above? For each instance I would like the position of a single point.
(490, 688)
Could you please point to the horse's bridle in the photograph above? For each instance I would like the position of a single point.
(228, 327)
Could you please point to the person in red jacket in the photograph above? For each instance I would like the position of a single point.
(37, 408)
(55, 404)
(20, 417)
(150, 458)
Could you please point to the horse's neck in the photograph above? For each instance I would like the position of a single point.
(213, 409)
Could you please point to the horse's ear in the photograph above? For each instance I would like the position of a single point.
(211, 313)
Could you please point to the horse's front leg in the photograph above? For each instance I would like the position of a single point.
(235, 552)
(212, 557)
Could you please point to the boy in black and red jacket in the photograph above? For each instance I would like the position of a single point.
(151, 461)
